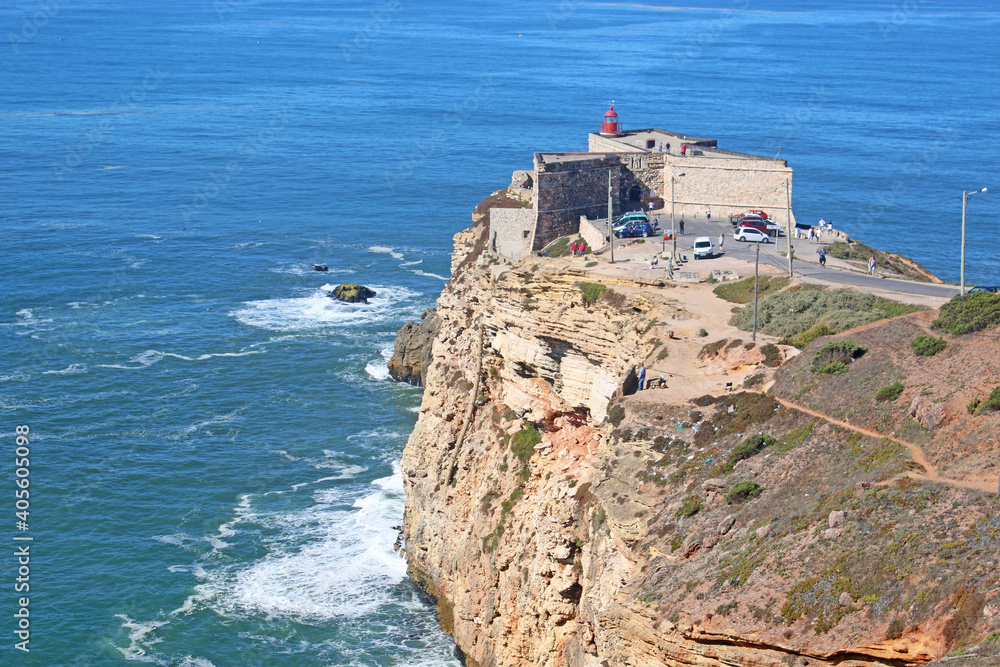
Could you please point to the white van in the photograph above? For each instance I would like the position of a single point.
(703, 247)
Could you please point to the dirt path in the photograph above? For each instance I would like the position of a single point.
(930, 474)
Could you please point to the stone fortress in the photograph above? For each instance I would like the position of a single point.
(567, 193)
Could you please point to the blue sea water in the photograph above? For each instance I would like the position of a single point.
(215, 443)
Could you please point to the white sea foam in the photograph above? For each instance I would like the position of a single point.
(329, 561)
(318, 310)
(377, 369)
(150, 357)
(191, 661)
(388, 251)
(429, 275)
(140, 641)
(248, 244)
(72, 369)
(25, 313)
(151, 237)
(416, 261)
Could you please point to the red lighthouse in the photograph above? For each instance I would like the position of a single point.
(610, 127)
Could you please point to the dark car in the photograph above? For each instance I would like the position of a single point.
(632, 229)
(985, 288)
(765, 226)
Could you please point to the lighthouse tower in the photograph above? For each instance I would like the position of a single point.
(610, 126)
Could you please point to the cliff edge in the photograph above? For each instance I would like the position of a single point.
(560, 517)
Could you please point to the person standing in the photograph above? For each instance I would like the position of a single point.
(819, 235)
(810, 235)
(708, 214)
(682, 225)
(642, 377)
(583, 246)
(574, 248)
(822, 255)
(871, 266)
(684, 149)
(722, 239)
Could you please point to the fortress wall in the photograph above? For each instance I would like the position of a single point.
(594, 234)
(644, 170)
(511, 232)
(598, 144)
(727, 185)
(564, 191)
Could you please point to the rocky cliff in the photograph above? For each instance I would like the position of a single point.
(561, 518)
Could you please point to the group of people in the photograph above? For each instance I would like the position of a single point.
(578, 248)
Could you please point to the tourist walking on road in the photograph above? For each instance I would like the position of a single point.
(822, 256)
(819, 235)
(810, 235)
(642, 377)
(682, 225)
(722, 238)
(871, 266)
(708, 214)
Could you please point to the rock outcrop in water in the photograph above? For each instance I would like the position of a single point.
(351, 293)
(558, 522)
(412, 352)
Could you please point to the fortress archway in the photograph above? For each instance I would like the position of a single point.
(635, 197)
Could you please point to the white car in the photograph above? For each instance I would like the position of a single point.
(703, 247)
(751, 234)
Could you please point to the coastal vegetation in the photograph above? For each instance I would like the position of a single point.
(927, 346)
(741, 291)
(859, 252)
(976, 311)
(792, 313)
(832, 358)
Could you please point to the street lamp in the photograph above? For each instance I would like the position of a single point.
(965, 200)
(673, 230)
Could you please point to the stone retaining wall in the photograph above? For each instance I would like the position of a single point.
(511, 231)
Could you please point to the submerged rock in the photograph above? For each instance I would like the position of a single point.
(352, 293)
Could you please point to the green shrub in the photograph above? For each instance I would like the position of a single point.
(748, 448)
(523, 442)
(772, 355)
(753, 380)
(808, 336)
(591, 292)
(590, 264)
(840, 352)
(890, 392)
(927, 346)
(743, 492)
(975, 311)
(832, 368)
(616, 413)
(689, 507)
(992, 402)
(790, 313)
(973, 404)
(741, 291)
(702, 333)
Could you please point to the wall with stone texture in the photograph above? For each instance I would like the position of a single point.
(596, 235)
(564, 191)
(727, 185)
(511, 232)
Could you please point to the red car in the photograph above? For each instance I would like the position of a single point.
(758, 213)
(765, 226)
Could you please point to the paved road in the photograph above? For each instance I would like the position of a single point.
(774, 254)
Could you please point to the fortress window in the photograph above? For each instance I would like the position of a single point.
(650, 143)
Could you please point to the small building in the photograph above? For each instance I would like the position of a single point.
(642, 165)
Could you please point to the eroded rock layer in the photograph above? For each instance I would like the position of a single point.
(558, 522)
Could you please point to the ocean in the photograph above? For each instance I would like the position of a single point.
(214, 444)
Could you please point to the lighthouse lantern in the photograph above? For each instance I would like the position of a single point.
(610, 126)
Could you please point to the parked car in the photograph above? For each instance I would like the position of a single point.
(751, 234)
(765, 226)
(985, 288)
(703, 247)
(758, 213)
(633, 229)
(635, 216)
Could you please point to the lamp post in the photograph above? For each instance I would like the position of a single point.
(965, 200)
(673, 230)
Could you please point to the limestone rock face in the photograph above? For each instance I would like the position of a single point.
(412, 352)
(548, 529)
(351, 293)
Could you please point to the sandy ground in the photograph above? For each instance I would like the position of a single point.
(687, 308)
